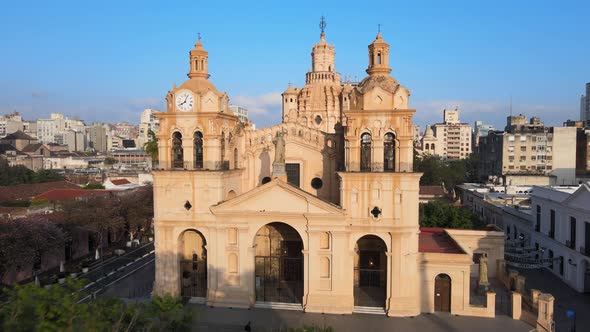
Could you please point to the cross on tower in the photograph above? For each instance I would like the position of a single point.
(199, 35)
(323, 24)
(379, 27)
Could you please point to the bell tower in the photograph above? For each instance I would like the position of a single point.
(378, 57)
(198, 61)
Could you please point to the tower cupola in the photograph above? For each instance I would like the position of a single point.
(378, 57)
(198, 61)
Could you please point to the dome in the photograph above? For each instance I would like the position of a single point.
(428, 133)
(386, 83)
(290, 90)
(198, 85)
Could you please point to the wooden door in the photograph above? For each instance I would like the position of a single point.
(442, 293)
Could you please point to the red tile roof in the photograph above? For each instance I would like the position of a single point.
(24, 192)
(432, 190)
(119, 182)
(67, 194)
(436, 240)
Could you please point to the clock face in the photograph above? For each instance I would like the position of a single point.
(184, 101)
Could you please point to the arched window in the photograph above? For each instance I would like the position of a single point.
(197, 64)
(389, 153)
(236, 163)
(202, 64)
(198, 150)
(432, 147)
(365, 152)
(177, 152)
(379, 58)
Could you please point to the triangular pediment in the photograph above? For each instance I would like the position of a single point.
(277, 197)
(580, 198)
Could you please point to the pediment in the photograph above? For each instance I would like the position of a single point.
(580, 198)
(277, 197)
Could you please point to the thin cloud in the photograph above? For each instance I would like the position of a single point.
(264, 110)
(429, 112)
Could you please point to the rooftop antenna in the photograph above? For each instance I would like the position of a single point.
(323, 24)
(511, 105)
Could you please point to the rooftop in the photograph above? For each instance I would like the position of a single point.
(67, 194)
(437, 240)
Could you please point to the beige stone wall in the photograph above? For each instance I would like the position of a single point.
(489, 242)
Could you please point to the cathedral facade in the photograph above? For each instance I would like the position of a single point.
(319, 212)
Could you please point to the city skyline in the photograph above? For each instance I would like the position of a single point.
(109, 62)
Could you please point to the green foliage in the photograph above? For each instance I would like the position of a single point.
(442, 214)
(47, 175)
(92, 186)
(32, 308)
(109, 161)
(168, 314)
(13, 175)
(451, 173)
(151, 146)
(16, 204)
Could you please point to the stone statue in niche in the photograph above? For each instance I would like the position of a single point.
(483, 273)
(279, 143)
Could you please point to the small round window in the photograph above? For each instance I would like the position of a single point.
(265, 179)
(317, 183)
(318, 120)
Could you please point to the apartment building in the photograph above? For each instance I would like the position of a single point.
(450, 139)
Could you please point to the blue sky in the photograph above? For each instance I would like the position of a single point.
(108, 60)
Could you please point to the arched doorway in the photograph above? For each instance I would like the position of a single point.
(442, 293)
(278, 264)
(370, 272)
(192, 256)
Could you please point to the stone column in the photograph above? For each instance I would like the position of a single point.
(545, 317)
(535, 297)
(516, 305)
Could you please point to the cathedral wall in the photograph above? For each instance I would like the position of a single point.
(456, 266)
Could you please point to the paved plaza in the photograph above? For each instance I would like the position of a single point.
(565, 299)
(226, 320)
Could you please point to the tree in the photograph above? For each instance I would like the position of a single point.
(151, 146)
(24, 240)
(109, 161)
(442, 214)
(137, 209)
(448, 172)
(13, 175)
(96, 214)
(32, 308)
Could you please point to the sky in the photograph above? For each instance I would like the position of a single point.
(108, 60)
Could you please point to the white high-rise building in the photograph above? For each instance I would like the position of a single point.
(148, 121)
(241, 112)
(450, 139)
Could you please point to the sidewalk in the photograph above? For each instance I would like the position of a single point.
(565, 299)
(226, 320)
